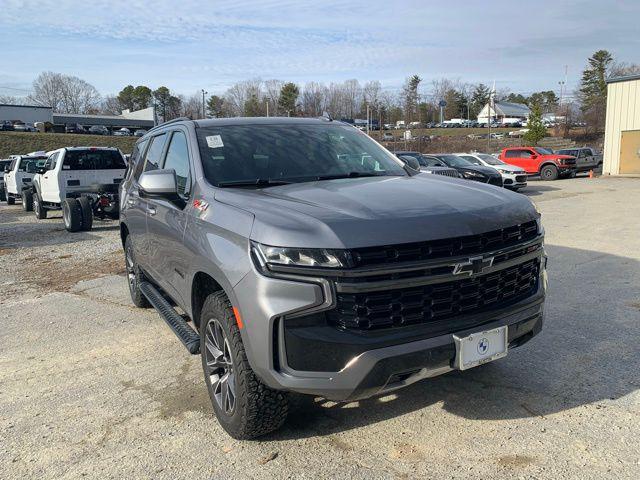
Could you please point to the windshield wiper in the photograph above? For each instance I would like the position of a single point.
(259, 182)
(350, 175)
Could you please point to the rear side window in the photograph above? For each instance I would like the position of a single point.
(178, 159)
(93, 160)
(512, 153)
(152, 159)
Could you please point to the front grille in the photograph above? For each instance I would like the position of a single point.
(521, 178)
(432, 304)
(447, 173)
(450, 247)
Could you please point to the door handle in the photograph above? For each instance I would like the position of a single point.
(151, 210)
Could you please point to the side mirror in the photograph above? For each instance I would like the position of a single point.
(410, 162)
(159, 184)
(7, 169)
(534, 156)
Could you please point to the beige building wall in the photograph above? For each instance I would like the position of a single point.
(623, 114)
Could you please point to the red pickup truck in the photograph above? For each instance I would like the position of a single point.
(540, 161)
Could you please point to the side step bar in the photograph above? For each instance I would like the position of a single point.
(189, 338)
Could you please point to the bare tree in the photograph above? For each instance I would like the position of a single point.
(272, 89)
(622, 69)
(352, 97)
(110, 105)
(240, 93)
(65, 93)
(313, 99)
(11, 100)
(192, 105)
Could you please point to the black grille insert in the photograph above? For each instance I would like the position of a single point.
(469, 245)
(436, 302)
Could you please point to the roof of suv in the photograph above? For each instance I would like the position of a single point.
(214, 122)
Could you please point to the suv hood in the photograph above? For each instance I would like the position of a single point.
(361, 212)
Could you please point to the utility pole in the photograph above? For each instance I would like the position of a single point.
(267, 103)
(204, 115)
(368, 116)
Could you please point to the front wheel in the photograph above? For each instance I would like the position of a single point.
(38, 209)
(134, 276)
(3, 195)
(549, 172)
(10, 199)
(245, 407)
(27, 200)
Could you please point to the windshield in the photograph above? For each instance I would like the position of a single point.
(454, 161)
(93, 160)
(25, 161)
(290, 153)
(490, 159)
(418, 156)
(568, 152)
(471, 159)
(543, 151)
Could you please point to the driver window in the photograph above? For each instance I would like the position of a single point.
(526, 153)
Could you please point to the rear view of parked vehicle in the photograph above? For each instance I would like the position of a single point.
(429, 164)
(513, 178)
(4, 165)
(80, 181)
(18, 176)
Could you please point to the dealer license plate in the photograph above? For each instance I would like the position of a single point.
(479, 348)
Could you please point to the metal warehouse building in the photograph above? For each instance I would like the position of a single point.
(622, 130)
(25, 113)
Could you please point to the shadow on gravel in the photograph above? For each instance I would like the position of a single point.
(536, 188)
(587, 353)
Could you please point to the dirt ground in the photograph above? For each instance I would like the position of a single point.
(91, 387)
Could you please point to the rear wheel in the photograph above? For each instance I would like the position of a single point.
(72, 215)
(549, 172)
(27, 200)
(38, 209)
(3, 195)
(87, 212)
(245, 407)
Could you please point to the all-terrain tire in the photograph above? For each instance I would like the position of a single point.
(10, 199)
(549, 172)
(3, 195)
(38, 208)
(134, 276)
(72, 214)
(258, 409)
(87, 213)
(27, 200)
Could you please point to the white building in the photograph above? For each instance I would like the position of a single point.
(504, 110)
(621, 155)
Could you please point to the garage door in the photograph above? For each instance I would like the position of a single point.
(630, 152)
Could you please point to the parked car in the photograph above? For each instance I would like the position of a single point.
(518, 133)
(387, 137)
(99, 130)
(303, 257)
(6, 126)
(468, 170)
(18, 176)
(540, 161)
(80, 181)
(429, 165)
(123, 132)
(586, 158)
(513, 178)
(74, 128)
(24, 127)
(139, 133)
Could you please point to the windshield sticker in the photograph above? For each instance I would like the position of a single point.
(214, 141)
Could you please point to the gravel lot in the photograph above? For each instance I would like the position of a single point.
(92, 387)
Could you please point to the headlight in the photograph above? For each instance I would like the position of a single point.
(502, 170)
(303, 257)
(469, 174)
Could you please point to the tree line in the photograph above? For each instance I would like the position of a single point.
(415, 101)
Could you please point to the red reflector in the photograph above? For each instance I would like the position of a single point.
(104, 202)
(236, 313)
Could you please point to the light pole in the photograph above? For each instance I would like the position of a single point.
(203, 104)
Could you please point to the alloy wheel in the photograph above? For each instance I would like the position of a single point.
(131, 272)
(219, 365)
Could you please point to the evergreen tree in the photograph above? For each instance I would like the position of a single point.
(479, 98)
(410, 96)
(593, 88)
(252, 106)
(215, 106)
(537, 130)
(289, 98)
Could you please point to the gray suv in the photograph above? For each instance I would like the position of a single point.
(298, 255)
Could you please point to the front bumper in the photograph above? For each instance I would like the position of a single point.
(373, 363)
(513, 180)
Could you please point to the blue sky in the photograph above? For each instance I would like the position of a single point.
(187, 45)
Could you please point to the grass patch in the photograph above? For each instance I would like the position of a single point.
(18, 143)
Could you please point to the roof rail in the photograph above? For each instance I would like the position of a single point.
(179, 119)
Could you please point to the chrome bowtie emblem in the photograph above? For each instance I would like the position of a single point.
(473, 265)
